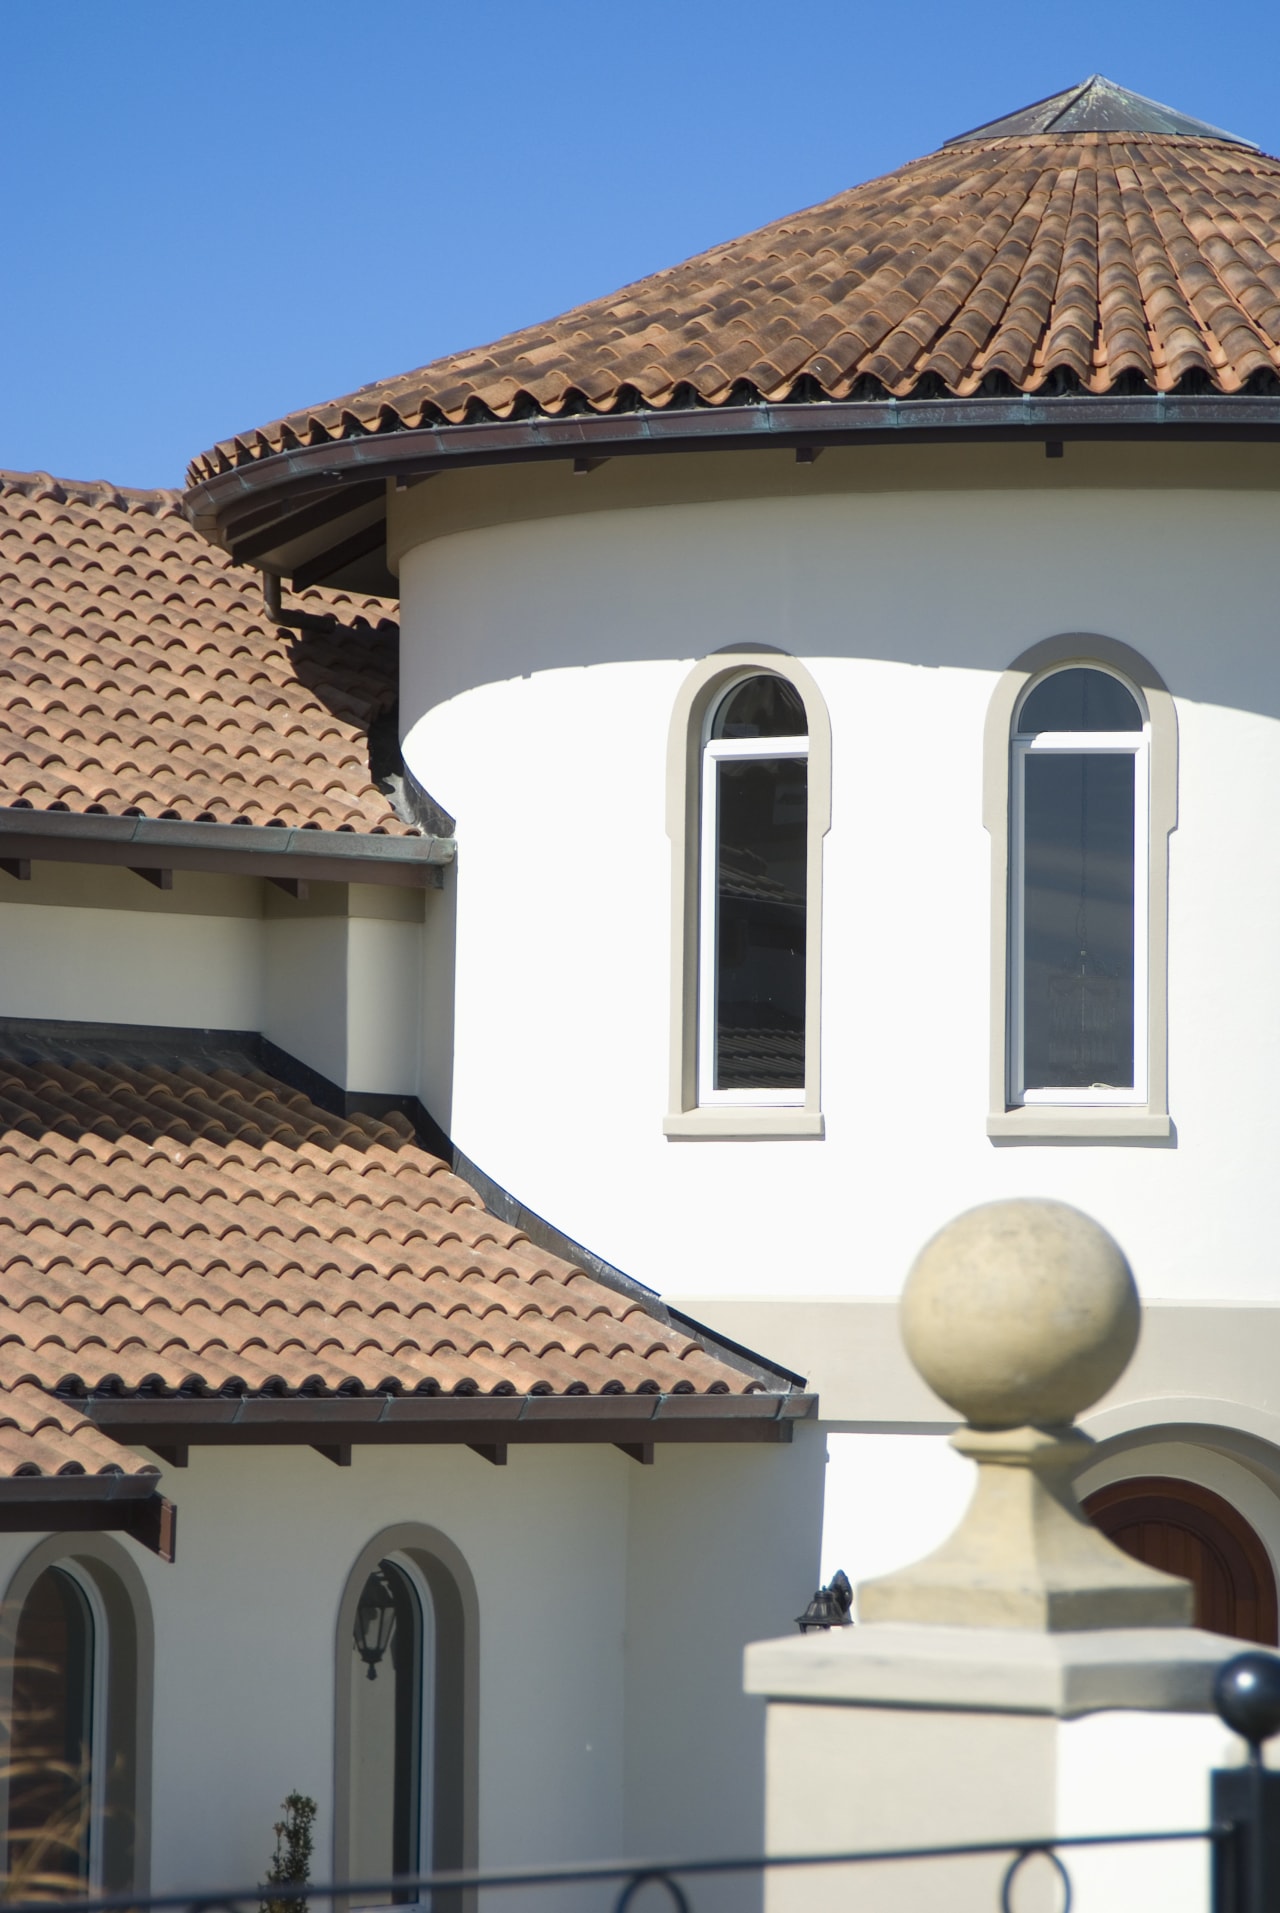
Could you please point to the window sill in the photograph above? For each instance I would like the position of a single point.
(765, 1125)
(1044, 1122)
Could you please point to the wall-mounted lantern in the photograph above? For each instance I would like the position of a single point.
(831, 1606)
(375, 1621)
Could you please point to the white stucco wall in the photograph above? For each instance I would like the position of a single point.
(118, 966)
(614, 1603)
(339, 980)
(541, 661)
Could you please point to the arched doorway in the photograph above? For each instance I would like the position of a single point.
(1187, 1530)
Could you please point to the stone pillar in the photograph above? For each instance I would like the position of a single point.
(1028, 1680)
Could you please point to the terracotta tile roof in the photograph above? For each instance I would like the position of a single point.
(140, 677)
(188, 1223)
(41, 1434)
(1085, 261)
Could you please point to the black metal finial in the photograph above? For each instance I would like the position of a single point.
(1246, 1694)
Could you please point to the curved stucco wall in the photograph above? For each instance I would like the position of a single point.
(540, 664)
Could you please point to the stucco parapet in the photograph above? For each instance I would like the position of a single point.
(1210, 1363)
(898, 1664)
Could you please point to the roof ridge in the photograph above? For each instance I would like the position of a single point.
(92, 491)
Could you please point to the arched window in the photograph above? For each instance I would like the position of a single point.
(1078, 950)
(755, 828)
(55, 1748)
(407, 1706)
(1081, 795)
(392, 1658)
(748, 805)
(75, 1686)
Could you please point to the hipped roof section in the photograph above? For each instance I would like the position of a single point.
(177, 1226)
(1045, 262)
(142, 677)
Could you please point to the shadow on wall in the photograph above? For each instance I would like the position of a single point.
(1180, 575)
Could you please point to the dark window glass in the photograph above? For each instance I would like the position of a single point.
(386, 1730)
(761, 847)
(48, 1834)
(1078, 902)
(761, 707)
(1080, 700)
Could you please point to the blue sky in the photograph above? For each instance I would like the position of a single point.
(216, 213)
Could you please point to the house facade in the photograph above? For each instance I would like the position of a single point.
(821, 781)
(323, 1470)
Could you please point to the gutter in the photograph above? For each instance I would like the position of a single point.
(174, 1422)
(265, 850)
(115, 1486)
(416, 452)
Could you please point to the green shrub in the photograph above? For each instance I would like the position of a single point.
(291, 1861)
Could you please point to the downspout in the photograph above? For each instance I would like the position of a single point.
(292, 620)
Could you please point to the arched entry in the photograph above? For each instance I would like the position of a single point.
(406, 1721)
(1187, 1530)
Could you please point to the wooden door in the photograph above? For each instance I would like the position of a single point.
(1190, 1531)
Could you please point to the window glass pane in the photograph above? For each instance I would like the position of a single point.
(1080, 700)
(386, 1730)
(49, 1784)
(1078, 902)
(762, 819)
(761, 707)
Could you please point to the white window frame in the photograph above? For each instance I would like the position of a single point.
(1135, 744)
(715, 751)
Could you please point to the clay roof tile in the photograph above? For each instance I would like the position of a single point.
(310, 1252)
(1044, 242)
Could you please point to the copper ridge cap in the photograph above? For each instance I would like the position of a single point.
(1097, 105)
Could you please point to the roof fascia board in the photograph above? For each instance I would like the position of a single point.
(90, 1504)
(19, 1490)
(211, 505)
(245, 849)
(256, 1420)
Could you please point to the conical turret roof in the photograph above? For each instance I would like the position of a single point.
(1098, 105)
(1092, 243)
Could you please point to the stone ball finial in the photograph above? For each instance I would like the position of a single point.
(1021, 1312)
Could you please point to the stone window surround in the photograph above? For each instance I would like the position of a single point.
(1044, 1122)
(455, 1691)
(686, 1120)
(119, 1592)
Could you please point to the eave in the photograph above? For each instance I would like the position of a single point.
(292, 513)
(152, 845)
(169, 1425)
(90, 1504)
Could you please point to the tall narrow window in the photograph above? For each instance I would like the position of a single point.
(1079, 891)
(391, 1650)
(54, 1829)
(753, 901)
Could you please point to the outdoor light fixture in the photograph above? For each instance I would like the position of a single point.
(830, 1606)
(375, 1620)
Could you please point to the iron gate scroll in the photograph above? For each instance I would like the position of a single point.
(1243, 1839)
